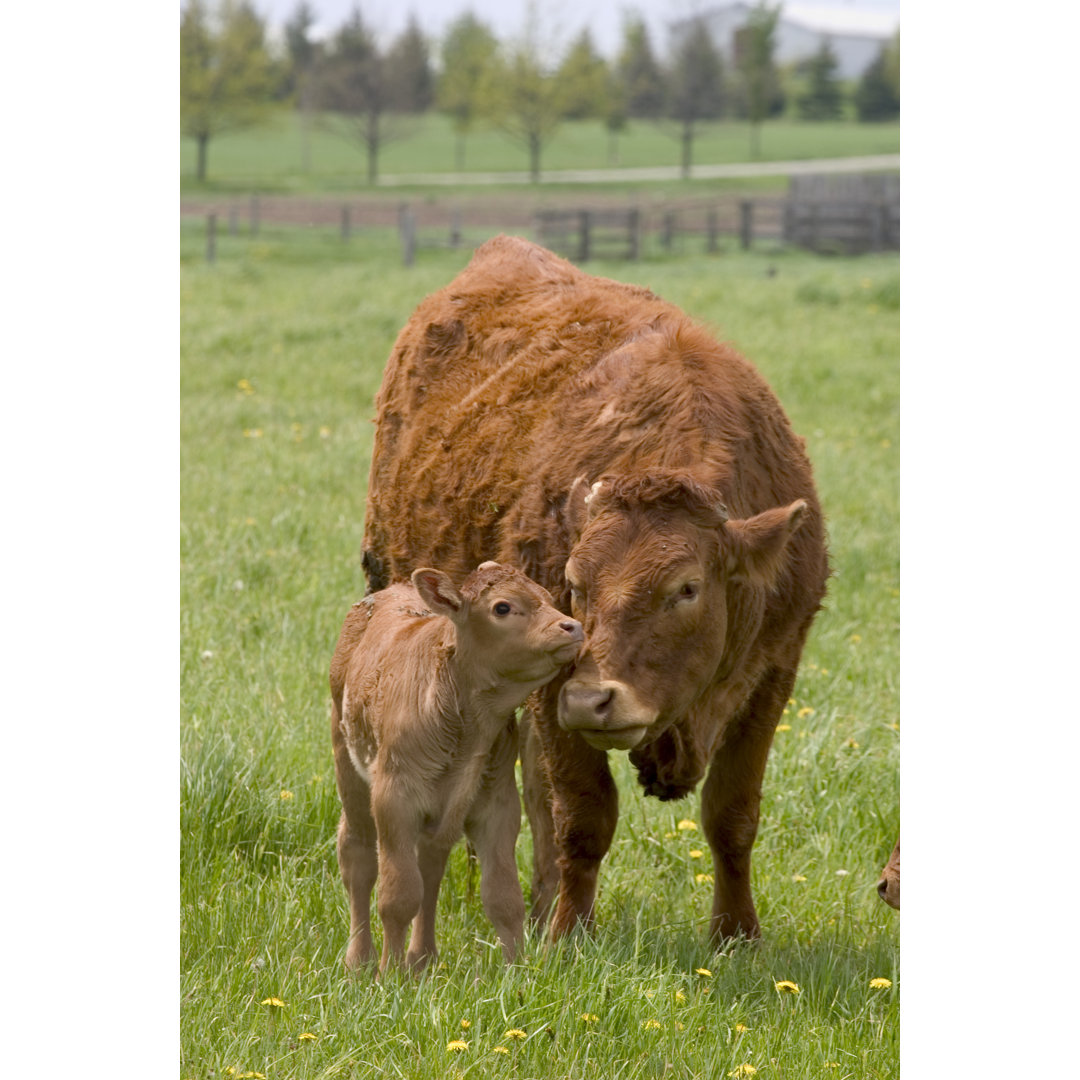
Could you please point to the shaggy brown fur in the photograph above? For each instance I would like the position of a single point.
(591, 434)
(889, 886)
(425, 681)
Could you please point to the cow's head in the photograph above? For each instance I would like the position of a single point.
(665, 585)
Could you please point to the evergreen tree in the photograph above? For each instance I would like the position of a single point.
(823, 98)
(695, 81)
(583, 77)
(875, 97)
(408, 64)
(226, 75)
(639, 74)
(465, 86)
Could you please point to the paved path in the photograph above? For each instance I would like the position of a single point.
(658, 172)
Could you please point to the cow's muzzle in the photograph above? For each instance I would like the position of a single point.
(606, 714)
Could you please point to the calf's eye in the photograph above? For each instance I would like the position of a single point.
(501, 608)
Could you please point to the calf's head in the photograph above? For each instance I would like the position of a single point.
(506, 625)
(665, 586)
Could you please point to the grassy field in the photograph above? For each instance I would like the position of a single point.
(272, 158)
(283, 343)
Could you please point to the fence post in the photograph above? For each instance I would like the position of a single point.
(345, 223)
(407, 227)
(746, 224)
(633, 226)
(455, 228)
(712, 229)
(584, 223)
(254, 215)
(232, 219)
(211, 237)
(668, 234)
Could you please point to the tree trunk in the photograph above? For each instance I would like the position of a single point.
(613, 148)
(755, 140)
(459, 153)
(202, 142)
(534, 158)
(687, 149)
(372, 141)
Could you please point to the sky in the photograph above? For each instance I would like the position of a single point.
(564, 19)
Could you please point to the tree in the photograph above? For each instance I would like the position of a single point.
(352, 84)
(761, 95)
(526, 103)
(822, 99)
(639, 75)
(615, 114)
(582, 77)
(299, 47)
(695, 81)
(226, 75)
(408, 65)
(468, 60)
(875, 96)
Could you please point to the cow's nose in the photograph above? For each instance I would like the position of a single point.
(882, 888)
(582, 701)
(573, 628)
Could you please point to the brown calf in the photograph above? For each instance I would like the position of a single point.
(425, 681)
(889, 886)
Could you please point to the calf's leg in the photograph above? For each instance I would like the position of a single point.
(431, 859)
(492, 825)
(730, 803)
(401, 885)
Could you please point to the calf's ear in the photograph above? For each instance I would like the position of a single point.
(438, 592)
(756, 546)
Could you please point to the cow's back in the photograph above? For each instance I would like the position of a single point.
(525, 373)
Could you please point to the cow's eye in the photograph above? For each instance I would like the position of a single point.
(688, 591)
(501, 608)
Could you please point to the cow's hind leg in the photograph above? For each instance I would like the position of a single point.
(492, 825)
(731, 800)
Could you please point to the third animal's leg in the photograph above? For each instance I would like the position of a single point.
(537, 793)
(432, 857)
(401, 886)
(492, 825)
(730, 802)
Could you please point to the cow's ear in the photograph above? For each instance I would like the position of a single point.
(756, 546)
(577, 508)
(438, 592)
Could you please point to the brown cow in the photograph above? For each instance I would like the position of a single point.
(592, 434)
(888, 887)
(424, 749)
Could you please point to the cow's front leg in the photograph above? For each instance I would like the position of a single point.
(731, 801)
(586, 808)
(537, 796)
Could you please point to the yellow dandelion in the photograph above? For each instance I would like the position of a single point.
(851, 744)
(252, 1076)
(895, 727)
(277, 1003)
(855, 639)
(455, 1045)
(799, 877)
(792, 701)
(696, 853)
(686, 825)
(832, 1064)
(230, 1071)
(680, 996)
(589, 1018)
(703, 879)
(824, 671)
(669, 836)
(880, 984)
(514, 1033)
(650, 993)
(324, 432)
(650, 1023)
(804, 712)
(680, 1026)
(307, 1036)
(783, 727)
(785, 986)
(252, 433)
(245, 387)
(740, 1028)
(885, 444)
(745, 1069)
(249, 521)
(703, 971)
(286, 796)
(499, 1050)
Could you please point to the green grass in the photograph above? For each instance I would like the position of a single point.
(271, 158)
(283, 342)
